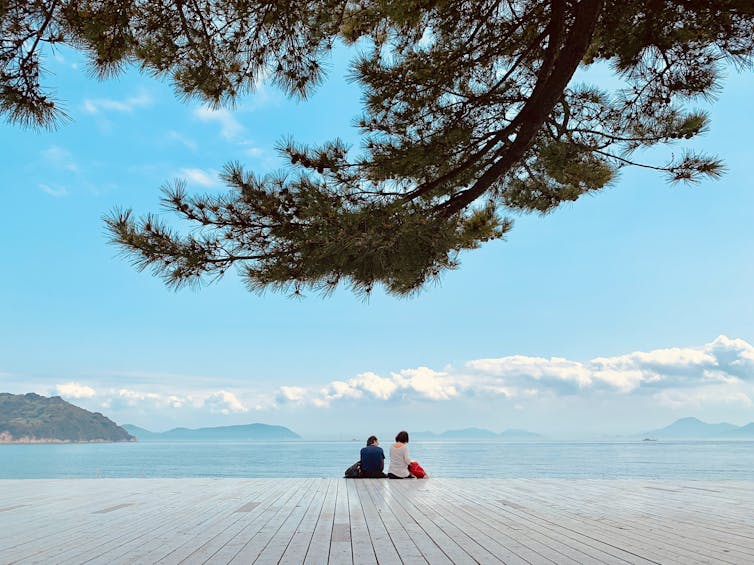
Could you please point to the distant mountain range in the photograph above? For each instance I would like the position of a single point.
(477, 433)
(694, 428)
(31, 418)
(243, 432)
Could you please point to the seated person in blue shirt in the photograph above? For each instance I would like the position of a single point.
(372, 460)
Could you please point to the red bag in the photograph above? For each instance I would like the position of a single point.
(416, 470)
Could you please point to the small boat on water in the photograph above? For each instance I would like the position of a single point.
(649, 439)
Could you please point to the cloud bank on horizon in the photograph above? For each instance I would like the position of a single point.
(718, 372)
(722, 364)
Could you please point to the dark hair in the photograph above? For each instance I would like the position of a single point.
(372, 440)
(402, 437)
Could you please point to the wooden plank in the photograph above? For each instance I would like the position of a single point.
(638, 539)
(618, 536)
(277, 545)
(445, 522)
(361, 542)
(248, 507)
(455, 546)
(257, 526)
(198, 543)
(295, 552)
(572, 524)
(56, 538)
(113, 508)
(536, 525)
(165, 528)
(496, 539)
(164, 503)
(33, 526)
(376, 521)
(9, 508)
(318, 551)
(693, 522)
(254, 546)
(340, 538)
(383, 547)
(399, 492)
(402, 541)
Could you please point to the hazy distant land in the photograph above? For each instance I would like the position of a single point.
(684, 428)
(243, 432)
(31, 418)
(478, 433)
(693, 428)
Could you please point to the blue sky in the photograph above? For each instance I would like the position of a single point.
(603, 317)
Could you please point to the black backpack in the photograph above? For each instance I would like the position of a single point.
(354, 471)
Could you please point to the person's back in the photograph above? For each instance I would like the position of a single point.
(399, 458)
(372, 459)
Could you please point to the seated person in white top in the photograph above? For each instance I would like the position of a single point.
(399, 458)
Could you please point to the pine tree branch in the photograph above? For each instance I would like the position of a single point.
(541, 102)
(40, 32)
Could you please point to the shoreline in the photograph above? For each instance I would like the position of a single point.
(42, 441)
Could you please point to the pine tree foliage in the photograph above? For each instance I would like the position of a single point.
(471, 112)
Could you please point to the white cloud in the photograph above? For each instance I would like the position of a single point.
(733, 356)
(57, 192)
(216, 402)
(556, 372)
(95, 106)
(75, 390)
(201, 177)
(177, 401)
(660, 360)
(224, 402)
(426, 383)
(722, 360)
(183, 140)
(624, 380)
(379, 387)
(263, 96)
(719, 374)
(724, 363)
(341, 389)
(230, 129)
(135, 395)
(419, 383)
(59, 158)
(292, 393)
(697, 398)
(264, 157)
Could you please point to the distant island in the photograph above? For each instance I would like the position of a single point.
(258, 432)
(478, 433)
(31, 418)
(694, 428)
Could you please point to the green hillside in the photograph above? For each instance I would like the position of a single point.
(34, 418)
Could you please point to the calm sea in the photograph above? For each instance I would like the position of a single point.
(600, 460)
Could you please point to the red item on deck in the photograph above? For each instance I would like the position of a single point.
(416, 470)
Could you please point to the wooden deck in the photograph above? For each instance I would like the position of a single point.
(321, 521)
